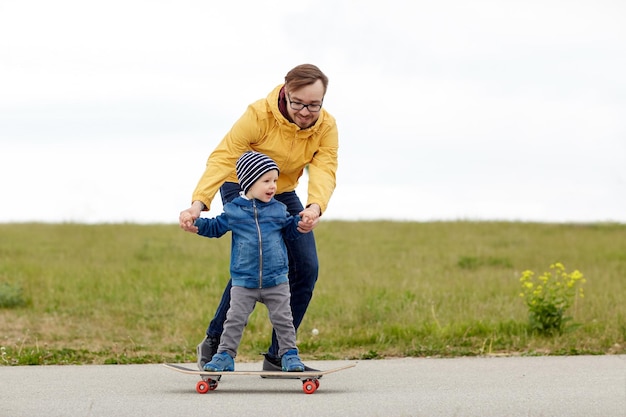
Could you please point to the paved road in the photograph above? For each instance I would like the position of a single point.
(501, 387)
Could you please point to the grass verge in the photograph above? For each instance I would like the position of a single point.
(126, 293)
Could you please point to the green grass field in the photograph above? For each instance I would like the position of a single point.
(127, 293)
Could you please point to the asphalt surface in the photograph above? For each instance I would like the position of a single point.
(504, 387)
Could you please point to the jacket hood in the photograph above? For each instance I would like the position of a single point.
(244, 202)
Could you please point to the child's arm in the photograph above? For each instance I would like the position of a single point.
(290, 230)
(215, 227)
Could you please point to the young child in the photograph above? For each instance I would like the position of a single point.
(259, 264)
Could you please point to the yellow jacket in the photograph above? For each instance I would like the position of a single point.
(263, 128)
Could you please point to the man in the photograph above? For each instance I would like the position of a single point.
(292, 128)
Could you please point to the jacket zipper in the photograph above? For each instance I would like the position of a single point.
(258, 229)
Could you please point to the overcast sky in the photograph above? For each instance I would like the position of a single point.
(474, 110)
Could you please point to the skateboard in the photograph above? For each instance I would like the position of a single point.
(208, 379)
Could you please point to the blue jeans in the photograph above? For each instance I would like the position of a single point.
(303, 268)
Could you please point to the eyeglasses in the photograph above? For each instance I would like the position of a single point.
(313, 108)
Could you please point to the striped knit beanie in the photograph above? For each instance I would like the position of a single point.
(251, 166)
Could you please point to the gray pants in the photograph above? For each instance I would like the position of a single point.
(242, 303)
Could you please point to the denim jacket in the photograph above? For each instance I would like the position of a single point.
(258, 252)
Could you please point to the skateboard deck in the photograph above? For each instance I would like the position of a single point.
(208, 379)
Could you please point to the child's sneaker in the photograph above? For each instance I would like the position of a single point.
(221, 362)
(291, 362)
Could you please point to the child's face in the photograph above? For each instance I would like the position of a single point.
(265, 187)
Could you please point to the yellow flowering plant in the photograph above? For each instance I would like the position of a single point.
(549, 295)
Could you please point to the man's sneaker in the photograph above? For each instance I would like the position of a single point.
(291, 361)
(220, 362)
(274, 364)
(206, 349)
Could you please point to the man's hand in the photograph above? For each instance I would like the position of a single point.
(310, 218)
(187, 217)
